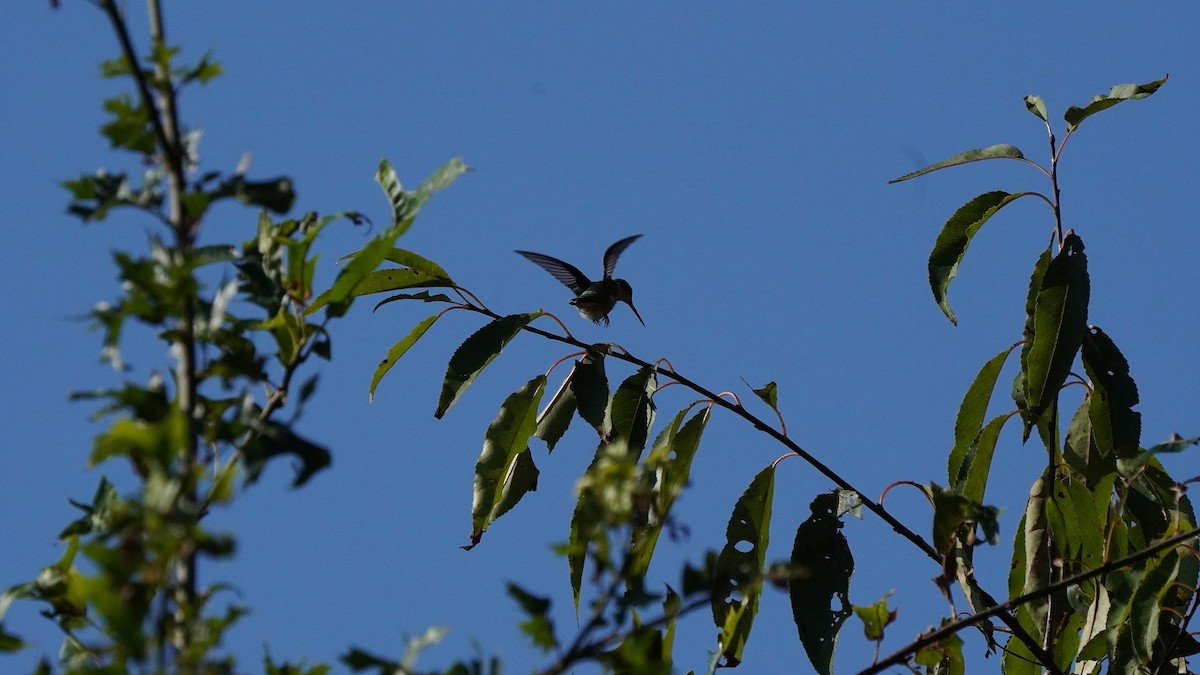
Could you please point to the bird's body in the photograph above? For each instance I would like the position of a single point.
(593, 299)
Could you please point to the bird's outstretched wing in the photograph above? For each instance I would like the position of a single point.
(567, 273)
(614, 252)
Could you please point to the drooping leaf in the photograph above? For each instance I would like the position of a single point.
(972, 410)
(1122, 92)
(589, 385)
(555, 418)
(822, 565)
(672, 455)
(632, 410)
(1037, 106)
(990, 152)
(1116, 426)
(475, 353)
(1059, 325)
(505, 470)
(398, 350)
(1137, 599)
(955, 237)
(741, 564)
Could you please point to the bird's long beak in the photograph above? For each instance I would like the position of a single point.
(635, 312)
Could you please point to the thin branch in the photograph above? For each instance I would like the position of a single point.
(903, 654)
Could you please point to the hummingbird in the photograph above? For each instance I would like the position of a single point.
(594, 299)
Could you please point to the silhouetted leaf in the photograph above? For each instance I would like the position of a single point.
(955, 237)
(538, 627)
(378, 281)
(991, 152)
(475, 353)
(741, 565)
(1122, 92)
(632, 410)
(272, 440)
(398, 350)
(822, 565)
(589, 385)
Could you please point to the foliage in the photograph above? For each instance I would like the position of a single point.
(1104, 566)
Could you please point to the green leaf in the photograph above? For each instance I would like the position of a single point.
(876, 618)
(1137, 600)
(956, 236)
(423, 296)
(589, 385)
(538, 627)
(977, 463)
(741, 564)
(1037, 106)
(398, 350)
(953, 511)
(504, 471)
(273, 439)
(378, 281)
(769, 393)
(475, 353)
(822, 565)
(632, 410)
(1117, 428)
(554, 420)
(991, 152)
(671, 460)
(1059, 325)
(972, 411)
(97, 516)
(1122, 92)
(1176, 444)
(405, 205)
(418, 263)
(944, 657)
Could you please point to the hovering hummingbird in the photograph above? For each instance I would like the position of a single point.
(594, 299)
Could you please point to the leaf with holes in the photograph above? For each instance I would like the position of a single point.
(822, 565)
(740, 566)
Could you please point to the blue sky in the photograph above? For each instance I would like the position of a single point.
(749, 143)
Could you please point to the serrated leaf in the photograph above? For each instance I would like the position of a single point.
(504, 471)
(1122, 92)
(991, 152)
(1037, 106)
(1060, 322)
(475, 353)
(398, 350)
(955, 237)
(741, 564)
(972, 410)
(822, 565)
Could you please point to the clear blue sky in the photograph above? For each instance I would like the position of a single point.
(749, 143)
